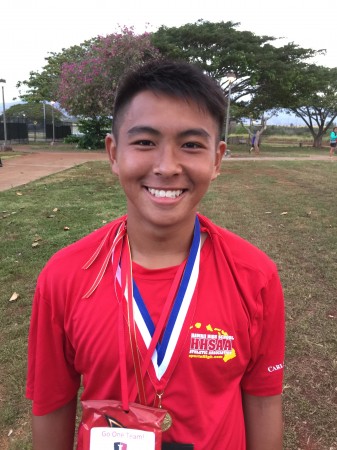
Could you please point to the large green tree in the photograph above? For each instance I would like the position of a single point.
(313, 98)
(306, 90)
(268, 77)
(219, 48)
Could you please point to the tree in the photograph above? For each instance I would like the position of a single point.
(292, 84)
(265, 74)
(83, 78)
(306, 90)
(33, 112)
(43, 86)
(87, 86)
(219, 49)
(314, 100)
(93, 132)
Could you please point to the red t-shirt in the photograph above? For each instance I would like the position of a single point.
(234, 340)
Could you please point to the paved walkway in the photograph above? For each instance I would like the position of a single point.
(19, 170)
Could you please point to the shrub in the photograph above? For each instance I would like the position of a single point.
(72, 139)
(93, 132)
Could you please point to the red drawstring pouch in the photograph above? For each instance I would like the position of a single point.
(107, 426)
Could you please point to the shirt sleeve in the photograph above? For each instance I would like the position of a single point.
(264, 375)
(52, 381)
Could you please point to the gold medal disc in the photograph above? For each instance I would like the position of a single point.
(167, 422)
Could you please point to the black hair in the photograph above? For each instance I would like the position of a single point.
(175, 79)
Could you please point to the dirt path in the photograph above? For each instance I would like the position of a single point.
(19, 170)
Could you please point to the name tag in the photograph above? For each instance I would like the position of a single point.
(105, 438)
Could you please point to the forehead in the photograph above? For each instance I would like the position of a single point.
(163, 110)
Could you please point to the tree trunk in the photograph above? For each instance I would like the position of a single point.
(318, 141)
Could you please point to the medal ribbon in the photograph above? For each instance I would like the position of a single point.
(159, 353)
(127, 288)
(115, 254)
(123, 284)
(180, 296)
(160, 325)
(119, 235)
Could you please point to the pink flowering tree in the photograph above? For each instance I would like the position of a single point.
(87, 87)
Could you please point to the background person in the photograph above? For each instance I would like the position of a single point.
(333, 141)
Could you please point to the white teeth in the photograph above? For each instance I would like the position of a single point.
(162, 193)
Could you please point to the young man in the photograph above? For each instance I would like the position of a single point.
(218, 365)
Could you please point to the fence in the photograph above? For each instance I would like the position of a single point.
(16, 131)
(21, 131)
(61, 131)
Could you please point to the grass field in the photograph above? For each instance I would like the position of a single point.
(287, 208)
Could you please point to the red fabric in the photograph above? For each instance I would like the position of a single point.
(239, 299)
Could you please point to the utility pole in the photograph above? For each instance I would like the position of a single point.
(5, 147)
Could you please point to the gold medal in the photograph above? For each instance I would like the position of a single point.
(167, 422)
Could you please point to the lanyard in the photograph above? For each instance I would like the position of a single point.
(173, 314)
(161, 324)
(175, 302)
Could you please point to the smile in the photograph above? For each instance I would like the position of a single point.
(165, 194)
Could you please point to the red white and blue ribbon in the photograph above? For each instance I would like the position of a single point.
(184, 288)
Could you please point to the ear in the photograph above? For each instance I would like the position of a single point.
(218, 159)
(111, 149)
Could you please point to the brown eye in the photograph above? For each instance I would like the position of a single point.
(144, 142)
(192, 145)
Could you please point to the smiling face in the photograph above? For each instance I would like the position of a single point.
(166, 155)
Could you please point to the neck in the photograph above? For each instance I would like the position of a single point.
(164, 247)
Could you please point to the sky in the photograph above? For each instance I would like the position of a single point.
(30, 30)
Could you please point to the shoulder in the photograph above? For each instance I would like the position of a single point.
(238, 252)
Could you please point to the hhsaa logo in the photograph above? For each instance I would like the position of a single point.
(209, 342)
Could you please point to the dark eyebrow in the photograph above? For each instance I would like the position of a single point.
(143, 129)
(194, 132)
(186, 133)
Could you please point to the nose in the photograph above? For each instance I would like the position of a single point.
(167, 162)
